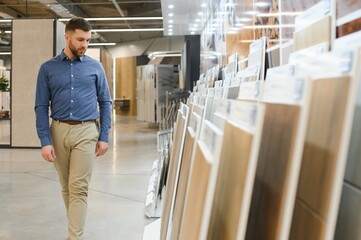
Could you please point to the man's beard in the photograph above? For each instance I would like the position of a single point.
(75, 51)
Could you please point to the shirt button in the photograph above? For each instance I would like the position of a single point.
(72, 88)
(71, 114)
(71, 101)
(72, 75)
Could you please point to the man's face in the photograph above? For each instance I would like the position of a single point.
(78, 41)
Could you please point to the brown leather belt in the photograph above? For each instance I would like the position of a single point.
(71, 122)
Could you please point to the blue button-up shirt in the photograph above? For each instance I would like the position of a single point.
(73, 90)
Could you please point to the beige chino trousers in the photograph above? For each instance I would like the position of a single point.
(74, 147)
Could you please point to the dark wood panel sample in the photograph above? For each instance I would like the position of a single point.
(182, 185)
(271, 188)
(320, 154)
(231, 177)
(353, 166)
(348, 28)
(349, 217)
(195, 197)
(171, 176)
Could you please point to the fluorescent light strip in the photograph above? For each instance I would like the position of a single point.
(129, 30)
(5, 20)
(279, 14)
(5, 53)
(116, 19)
(102, 44)
(269, 26)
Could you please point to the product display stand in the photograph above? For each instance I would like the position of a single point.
(186, 164)
(173, 169)
(236, 172)
(280, 151)
(205, 160)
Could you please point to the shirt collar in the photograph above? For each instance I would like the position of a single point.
(63, 56)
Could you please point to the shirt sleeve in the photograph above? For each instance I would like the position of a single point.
(42, 100)
(105, 105)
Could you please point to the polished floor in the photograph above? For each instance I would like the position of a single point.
(31, 206)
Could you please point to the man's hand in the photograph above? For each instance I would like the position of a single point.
(101, 148)
(48, 153)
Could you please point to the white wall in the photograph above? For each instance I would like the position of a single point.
(143, 47)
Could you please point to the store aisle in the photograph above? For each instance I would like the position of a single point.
(31, 205)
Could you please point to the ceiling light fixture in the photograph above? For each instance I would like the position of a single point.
(5, 20)
(261, 4)
(129, 30)
(170, 6)
(115, 19)
(5, 53)
(170, 14)
(203, 5)
(252, 12)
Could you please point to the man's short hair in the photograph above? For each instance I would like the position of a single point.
(78, 23)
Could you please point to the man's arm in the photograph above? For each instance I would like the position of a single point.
(42, 99)
(105, 108)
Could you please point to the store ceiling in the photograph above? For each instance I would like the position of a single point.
(14, 9)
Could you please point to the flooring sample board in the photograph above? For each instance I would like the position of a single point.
(230, 184)
(172, 175)
(271, 185)
(348, 28)
(314, 34)
(320, 159)
(182, 184)
(192, 134)
(349, 216)
(195, 198)
(201, 184)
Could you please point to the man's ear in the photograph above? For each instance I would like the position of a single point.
(67, 36)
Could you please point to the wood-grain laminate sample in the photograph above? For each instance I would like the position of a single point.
(271, 188)
(171, 176)
(182, 185)
(320, 157)
(195, 197)
(318, 32)
(231, 179)
(348, 28)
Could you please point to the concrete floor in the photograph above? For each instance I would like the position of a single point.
(31, 206)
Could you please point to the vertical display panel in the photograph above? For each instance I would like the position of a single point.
(320, 159)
